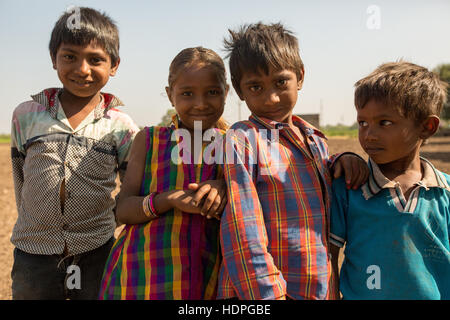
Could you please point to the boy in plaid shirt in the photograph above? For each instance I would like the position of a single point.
(274, 231)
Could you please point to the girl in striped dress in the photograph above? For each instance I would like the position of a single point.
(173, 193)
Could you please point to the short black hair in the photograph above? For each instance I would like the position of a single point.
(93, 27)
(258, 46)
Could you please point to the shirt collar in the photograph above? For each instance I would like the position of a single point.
(306, 127)
(377, 181)
(49, 98)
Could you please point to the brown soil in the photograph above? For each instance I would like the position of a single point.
(437, 151)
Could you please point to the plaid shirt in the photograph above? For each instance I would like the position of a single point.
(274, 231)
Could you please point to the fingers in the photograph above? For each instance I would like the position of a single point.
(218, 205)
(193, 186)
(351, 173)
(337, 170)
(201, 192)
(222, 205)
(355, 170)
(363, 174)
(208, 203)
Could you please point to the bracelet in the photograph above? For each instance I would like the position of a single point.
(148, 207)
(151, 206)
(145, 206)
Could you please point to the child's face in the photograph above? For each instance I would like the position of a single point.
(272, 96)
(198, 95)
(386, 135)
(83, 70)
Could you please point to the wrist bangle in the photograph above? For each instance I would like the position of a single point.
(151, 206)
(148, 207)
(145, 206)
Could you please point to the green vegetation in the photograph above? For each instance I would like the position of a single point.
(167, 118)
(340, 130)
(5, 138)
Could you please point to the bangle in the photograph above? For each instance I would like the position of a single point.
(151, 206)
(148, 207)
(145, 206)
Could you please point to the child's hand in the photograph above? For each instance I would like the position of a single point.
(182, 200)
(355, 169)
(216, 197)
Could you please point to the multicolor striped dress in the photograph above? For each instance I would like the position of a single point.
(177, 255)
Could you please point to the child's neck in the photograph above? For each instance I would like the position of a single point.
(77, 108)
(406, 171)
(399, 167)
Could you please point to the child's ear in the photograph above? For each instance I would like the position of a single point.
(168, 95)
(300, 81)
(429, 127)
(114, 68)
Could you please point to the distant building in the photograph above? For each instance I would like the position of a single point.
(313, 118)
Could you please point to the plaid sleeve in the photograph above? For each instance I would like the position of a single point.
(339, 208)
(243, 234)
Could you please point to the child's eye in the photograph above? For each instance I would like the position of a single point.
(96, 60)
(186, 93)
(385, 122)
(214, 92)
(68, 57)
(255, 88)
(282, 82)
(362, 124)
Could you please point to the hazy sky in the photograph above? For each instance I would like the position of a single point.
(340, 42)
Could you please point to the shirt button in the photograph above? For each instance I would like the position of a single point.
(65, 227)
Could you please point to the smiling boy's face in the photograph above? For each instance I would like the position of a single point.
(272, 96)
(83, 70)
(385, 135)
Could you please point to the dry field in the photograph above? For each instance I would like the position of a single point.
(437, 151)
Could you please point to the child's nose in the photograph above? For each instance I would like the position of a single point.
(371, 134)
(83, 68)
(201, 103)
(273, 97)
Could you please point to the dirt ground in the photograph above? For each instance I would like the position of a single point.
(437, 151)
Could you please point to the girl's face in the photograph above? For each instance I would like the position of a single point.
(198, 95)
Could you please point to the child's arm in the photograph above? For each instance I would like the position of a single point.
(129, 203)
(244, 238)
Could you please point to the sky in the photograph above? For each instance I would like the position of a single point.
(340, 42)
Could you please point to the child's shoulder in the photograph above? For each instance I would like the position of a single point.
(444, 178)
(245, 125)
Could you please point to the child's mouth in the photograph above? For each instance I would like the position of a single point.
(82, 83)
